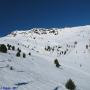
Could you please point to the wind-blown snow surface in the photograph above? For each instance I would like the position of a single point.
(38, 71)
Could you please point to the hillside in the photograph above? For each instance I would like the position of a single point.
(35, 69)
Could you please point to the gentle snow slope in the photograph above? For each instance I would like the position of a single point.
(38, 71)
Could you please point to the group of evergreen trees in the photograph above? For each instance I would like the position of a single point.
(3, 48)
(18, 54)
(10, 47)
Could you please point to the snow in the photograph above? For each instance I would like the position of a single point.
(38, 71)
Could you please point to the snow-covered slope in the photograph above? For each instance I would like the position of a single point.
(38, 71)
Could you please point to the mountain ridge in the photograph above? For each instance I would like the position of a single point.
(46, 29)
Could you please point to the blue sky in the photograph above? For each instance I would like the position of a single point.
(25, 14)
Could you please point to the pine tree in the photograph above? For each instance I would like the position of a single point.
(13, 48)
(70, 85)
(57, 63)
(3, 48)
(18, 54)
(24, 55)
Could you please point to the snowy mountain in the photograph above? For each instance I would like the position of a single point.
(34, 67)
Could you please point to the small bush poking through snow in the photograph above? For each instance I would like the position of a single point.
(29, 54)
(75, 42)
(57, 63)
(70, 85)
(3, 48)
(11, 68)
(86, 46)
(56, 88)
